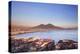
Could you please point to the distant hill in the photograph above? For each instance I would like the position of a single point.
(75, 28)
(47, 26)
(19, 29)
(40, 27)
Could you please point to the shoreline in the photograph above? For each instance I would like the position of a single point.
(32, 44)
(23, 32)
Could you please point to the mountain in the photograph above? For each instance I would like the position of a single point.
(47, 26)
(19, 29)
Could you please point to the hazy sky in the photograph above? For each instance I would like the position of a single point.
(32, 14)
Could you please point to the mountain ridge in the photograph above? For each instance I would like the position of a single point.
(47, 26)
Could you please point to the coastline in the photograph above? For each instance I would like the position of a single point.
(35, 44)
(38, 30)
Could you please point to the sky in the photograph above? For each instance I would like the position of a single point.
(32, 14)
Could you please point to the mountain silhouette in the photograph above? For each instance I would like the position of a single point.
(47, 26)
